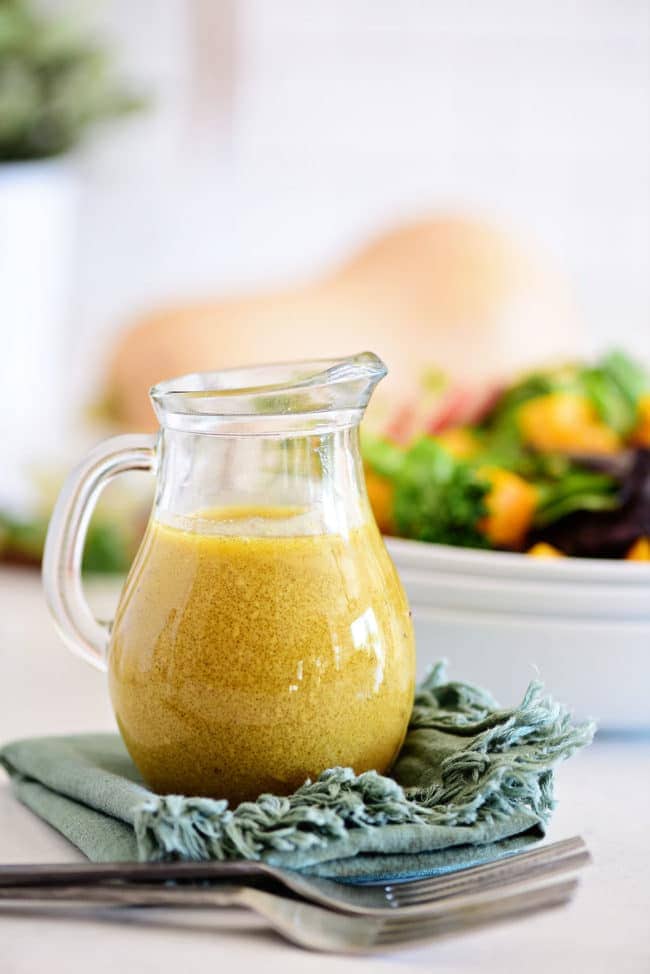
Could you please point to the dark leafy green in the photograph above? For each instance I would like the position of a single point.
(604, 500)
(574, 491)
(614, 386)
(606, 533)
(436, 498)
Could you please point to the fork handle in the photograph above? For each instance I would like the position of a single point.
(118, 895)
(56, 874)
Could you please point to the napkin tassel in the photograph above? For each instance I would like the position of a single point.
(507, 765)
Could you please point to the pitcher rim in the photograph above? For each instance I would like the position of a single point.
(292, 388)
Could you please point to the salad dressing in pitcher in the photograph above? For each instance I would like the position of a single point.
(263, 635)
(246, 660)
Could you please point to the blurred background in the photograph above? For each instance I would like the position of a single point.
(259, 159)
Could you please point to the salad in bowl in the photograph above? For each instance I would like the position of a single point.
(554, 464)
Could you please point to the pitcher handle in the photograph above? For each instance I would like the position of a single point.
(66, 534)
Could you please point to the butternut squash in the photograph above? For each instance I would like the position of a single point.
(380, 495)
(447, 291)
(565, 422)
(511, 505)
(544, 550)
(459, 441)
(640, 550)
(641, 435)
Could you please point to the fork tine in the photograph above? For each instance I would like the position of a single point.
(469, 916)
(474, 900)
(561, 847)
(425, 897)
(512, 865)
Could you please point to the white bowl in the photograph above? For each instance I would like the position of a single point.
(581, 625)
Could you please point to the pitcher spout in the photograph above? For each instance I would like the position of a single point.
(359, 373)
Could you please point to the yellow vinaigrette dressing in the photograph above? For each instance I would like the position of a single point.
(247, 658)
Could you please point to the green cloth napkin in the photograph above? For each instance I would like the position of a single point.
(472, 782)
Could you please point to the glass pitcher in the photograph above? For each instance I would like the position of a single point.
(262, 634)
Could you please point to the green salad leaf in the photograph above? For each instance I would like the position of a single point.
(439, 498)
(531, 386)
(384, 457)
(575, 490)
(615, 386)
(436, 497)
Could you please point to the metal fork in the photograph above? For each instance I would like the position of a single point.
(415, 896)
(309, 926)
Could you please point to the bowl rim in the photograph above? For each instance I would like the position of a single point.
(514, 565)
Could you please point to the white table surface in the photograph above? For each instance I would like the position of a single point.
(43, 690)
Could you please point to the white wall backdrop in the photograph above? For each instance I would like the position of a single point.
(284, 130)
